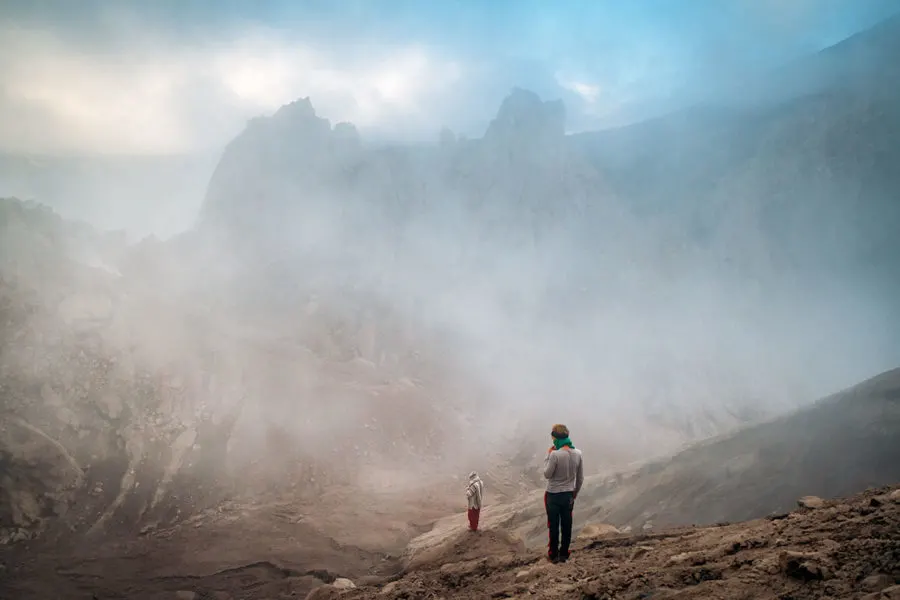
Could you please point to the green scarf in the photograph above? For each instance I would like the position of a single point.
(557, 443)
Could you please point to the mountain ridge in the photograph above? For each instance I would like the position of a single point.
(758, 213)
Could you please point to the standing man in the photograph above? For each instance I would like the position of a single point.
(475, 494)
(564, 471)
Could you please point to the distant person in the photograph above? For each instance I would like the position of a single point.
(564, 471)
(475, 495)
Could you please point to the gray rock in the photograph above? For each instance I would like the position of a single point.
(889, 593)
(389, 588)
(812, 502)
(342, 583)
(593, 531)
(877, 582)
(806, 566)
(325, 592)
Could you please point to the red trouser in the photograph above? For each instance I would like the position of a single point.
(473, 518)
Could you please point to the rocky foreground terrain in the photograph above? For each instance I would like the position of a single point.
(840, 549)
(847, 548)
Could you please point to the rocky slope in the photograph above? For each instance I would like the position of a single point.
(132, 401)
(847, 548)
(843, 443)
(264, 545)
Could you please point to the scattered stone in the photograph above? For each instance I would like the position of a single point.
(389, 588)
(693, 558)
(325, 592)
(889, 593)
(812, 502)
(639, 551)
(895, 495)
(594, 531)
(342, 583)
(768, 565)
(14, 535)
(804, 566)
(876, 582)
(830, 544)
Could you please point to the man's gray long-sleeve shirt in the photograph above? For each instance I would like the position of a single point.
(564, 470)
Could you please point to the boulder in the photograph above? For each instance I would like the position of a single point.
(806, 566)
(593, 531)
(342, 583)
(331, 590)
(812, 502)
(877, 582)
(389, 588)
(324, 592)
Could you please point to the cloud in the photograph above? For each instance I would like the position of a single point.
(171, 76)
(165, 98)
(589, 92)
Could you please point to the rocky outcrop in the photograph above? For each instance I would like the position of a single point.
(131, 402)
(687, 243)
(275, 168)
(460, 242)
(525, 123)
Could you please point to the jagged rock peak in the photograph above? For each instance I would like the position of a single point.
(523, 113)
(299, 118)
(300, 114)
(298, 109)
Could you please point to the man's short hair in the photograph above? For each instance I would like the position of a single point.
(560, 431)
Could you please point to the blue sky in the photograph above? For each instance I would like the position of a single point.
(170, 76)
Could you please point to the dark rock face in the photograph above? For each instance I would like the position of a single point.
(128, 404)
(90, 437)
